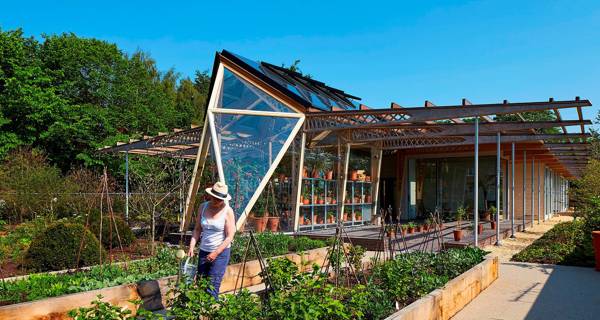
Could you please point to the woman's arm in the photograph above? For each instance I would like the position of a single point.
(195, 235)
(229, 234)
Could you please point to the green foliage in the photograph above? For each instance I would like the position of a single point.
(68, 95)
(59, 247)
(271, 244)
(355, 255)
(280, 271)
(30, 187)
(40, 286)
(124, 231)
(101, 310)
(412, 275)
(241, 306)
(192, 301)
(310, 297)
(14, 244)
(566, 243)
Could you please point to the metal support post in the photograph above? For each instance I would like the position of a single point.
(476, 187)
(512, 191)
(497, 189)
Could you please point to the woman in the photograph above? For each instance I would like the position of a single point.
(216, 224)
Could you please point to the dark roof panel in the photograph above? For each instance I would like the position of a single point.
(312, 92)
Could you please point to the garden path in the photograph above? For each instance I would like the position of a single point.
(535, 291)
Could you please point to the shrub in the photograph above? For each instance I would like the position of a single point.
(57, 248)
(14, 244)
(124, 231)
(567, 243)
(281, 272)
(241, 306)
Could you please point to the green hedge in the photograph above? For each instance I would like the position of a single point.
(59, 246)
(567, 243)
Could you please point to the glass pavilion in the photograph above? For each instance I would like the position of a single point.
(311, 156)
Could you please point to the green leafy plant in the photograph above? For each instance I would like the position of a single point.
(101, 310)
(240, 306)
(356, 253)
(459, 215)
(281, 272)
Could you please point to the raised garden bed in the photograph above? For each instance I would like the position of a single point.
(121, 295)
(445, 302)
(45, 285)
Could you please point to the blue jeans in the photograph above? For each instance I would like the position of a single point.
(213, 270)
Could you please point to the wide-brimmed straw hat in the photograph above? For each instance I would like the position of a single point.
(219, 191)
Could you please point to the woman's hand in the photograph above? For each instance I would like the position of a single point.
(212, 256)
(191, 252)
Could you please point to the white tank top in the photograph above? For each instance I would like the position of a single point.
(213, 230)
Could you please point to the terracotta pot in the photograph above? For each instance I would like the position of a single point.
(345, 217)
(353, 175)
(301, 221)
(320, 220)
(321, 201)
(273, 223)
(493, 225)
(304, 172)
(305, 201)
(403, 231)
(331, 219)
(425, 227)
(358, 218)
(281, 177)
(368, 199)
(391, 234)
(596, 242)
(480, 228)
(329, 175)
(260, 223)
(419, 228)
(333, 201)
(315, 173)
(458, 235)
(315, 220)
(411, 230)
(315, 199)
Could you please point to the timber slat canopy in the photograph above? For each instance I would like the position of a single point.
(332, 114)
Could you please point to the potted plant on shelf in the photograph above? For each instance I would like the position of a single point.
(305, 197)
(460, 213)
(411, 228)
(403, 228)
(358, 216)
(493, 212)
(345, 216)
(331, 217)
(426, 225)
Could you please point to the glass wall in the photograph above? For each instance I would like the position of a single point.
(447, 183)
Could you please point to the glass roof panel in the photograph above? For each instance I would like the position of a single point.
(236, 93)
(304, 88)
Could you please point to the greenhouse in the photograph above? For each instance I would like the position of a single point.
(299, 155)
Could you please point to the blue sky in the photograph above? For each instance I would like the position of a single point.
(401, 51)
